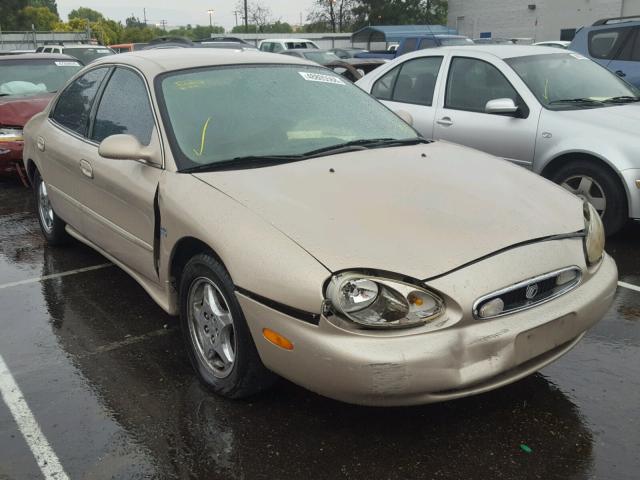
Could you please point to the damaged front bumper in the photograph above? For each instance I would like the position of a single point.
(469, 357)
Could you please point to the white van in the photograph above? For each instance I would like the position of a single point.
(277, 45)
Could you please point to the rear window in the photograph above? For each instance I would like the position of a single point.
(605, 44)
(88, 55)
(292, 45)
(30, 77)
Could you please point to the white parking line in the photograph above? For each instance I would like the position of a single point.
(55, 275)
(629, 286)
(46, 458)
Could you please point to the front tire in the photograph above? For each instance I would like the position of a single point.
(52, 226)
(216, 333)
(596, 184)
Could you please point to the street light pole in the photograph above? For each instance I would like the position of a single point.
(210, 12)
(246, 17)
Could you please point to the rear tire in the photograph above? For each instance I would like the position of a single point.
(596, 184)
(52, 226)
(215, 332)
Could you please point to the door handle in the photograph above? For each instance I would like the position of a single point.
(86, 169)
(620, 73)
(445, 121)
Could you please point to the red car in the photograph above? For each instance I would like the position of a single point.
(27, 84)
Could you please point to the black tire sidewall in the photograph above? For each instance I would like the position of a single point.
(616, 212)
(248, 375)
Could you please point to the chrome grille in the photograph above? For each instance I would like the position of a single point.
(529, 293)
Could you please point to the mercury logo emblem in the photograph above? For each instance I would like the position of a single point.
(532, 291)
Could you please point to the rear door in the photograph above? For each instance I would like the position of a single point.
(626, 63)
(410, 87)
(64, 144)
(461, 118)
(119, 194)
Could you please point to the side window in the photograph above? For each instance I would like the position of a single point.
(604, 44)
(427, 43)
(73, 107)
(631, 50)
(277, 48)
(410, 44)
(417, 81)
(265, 46)
(383, 88)
(472, 83)
(124, 108)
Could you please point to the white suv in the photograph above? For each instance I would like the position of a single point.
(83, 52)
(277, 45)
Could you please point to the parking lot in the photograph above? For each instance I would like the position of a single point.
(108, 392)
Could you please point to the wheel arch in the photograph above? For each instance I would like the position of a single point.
(555, 164)
(31, 169)
(185, 249)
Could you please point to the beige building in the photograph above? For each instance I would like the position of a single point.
(536, 19)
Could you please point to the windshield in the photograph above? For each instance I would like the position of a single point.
(88, 55)
(452, 42)
(31, 77)
(224, 113)
(321, 57)
(569, 80)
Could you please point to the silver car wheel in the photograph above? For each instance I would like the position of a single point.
(588, 189)
(211, 327)
(44, 208)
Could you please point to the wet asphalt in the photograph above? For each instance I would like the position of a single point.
(108, 380)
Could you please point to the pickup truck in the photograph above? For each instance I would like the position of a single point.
(410, 44)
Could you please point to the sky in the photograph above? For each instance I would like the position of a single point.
(182, 12)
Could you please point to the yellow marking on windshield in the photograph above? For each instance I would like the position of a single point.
(203, 137)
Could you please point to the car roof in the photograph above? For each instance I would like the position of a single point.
(500, 51)
(78, 45)
(156, 61)
(287, 40)
(38, 56)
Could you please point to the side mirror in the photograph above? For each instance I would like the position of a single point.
(126, 147)
(406, 116)
(501, 105)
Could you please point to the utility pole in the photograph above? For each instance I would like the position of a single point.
(144, 16)
(235, 13)
(164, 24)
(246, 17)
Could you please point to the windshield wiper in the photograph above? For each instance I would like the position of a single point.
(256, 161)
(622, 99)
(577, 101)
(250, 161)
(363, 144)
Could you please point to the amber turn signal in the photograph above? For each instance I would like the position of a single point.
(277, 339)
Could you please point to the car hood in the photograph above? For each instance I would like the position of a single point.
(16, 110)
(418, 211)
(620, 118)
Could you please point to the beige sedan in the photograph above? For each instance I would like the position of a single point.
(300, 228)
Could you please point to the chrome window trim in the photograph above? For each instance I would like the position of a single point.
(570, 286)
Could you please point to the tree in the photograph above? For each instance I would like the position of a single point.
(400, 12)
(40, 17)
(9, 11)
(134, 22)
(50, 4)
(86, 13)
(335, 14)
(259, 16)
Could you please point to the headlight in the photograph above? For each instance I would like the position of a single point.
(380, 303)
(10, 134)
(594, 239)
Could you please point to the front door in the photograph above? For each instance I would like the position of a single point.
(410, 87)
(119, 194)
(461, 117)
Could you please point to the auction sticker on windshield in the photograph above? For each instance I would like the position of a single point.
(318, 77)
(67, 64)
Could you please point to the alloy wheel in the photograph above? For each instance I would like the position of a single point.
(44, 208)
(211, 327)
(588, 189)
